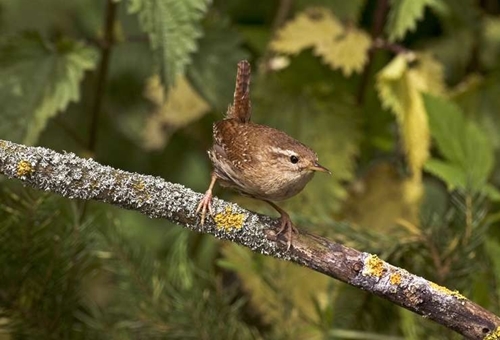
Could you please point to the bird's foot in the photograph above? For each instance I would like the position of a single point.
(205, 205)
(287, 228)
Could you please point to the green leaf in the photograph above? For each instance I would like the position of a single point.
(215, 64)
(491, 192)
(38, 80)
(465, 147)
(453, 175)
(403, 17)
(447, 124)
(480, 157)
(173, 28)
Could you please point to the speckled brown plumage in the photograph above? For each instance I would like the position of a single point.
(257, 160)
(241, 109)
(249, 157)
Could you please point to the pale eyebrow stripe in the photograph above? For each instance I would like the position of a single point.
(283, 151)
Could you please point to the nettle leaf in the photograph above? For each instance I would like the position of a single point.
(467, 151)
(37, 80)
(403, 16)
(344, 48)
(308, 29)
(348, 52)
(215, 64)
(399, 86)
(173, 28)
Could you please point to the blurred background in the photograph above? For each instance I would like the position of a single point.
(399, 98)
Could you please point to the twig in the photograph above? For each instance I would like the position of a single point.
(106, 44)
(284, 8)
(395, 48)
(78, 178)
(376, 31)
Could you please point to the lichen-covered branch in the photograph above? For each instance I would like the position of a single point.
(74, 177)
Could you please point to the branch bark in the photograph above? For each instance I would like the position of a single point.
(78, 178)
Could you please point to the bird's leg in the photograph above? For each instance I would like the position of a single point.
(286, 224)
(206, 202)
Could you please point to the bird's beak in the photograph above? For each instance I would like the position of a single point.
(318, 167)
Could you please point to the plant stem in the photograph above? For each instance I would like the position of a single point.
(106, 44)
(376, 31)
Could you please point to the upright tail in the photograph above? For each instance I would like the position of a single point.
(241, 109)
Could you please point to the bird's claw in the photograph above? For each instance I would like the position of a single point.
(204, 205)
(288, 228)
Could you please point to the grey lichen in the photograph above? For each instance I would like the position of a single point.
(79, 178)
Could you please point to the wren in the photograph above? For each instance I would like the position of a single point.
(257, 160)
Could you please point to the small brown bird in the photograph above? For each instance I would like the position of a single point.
(257, 160)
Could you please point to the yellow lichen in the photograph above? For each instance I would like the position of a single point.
(444, 290)
(2, 144)
(24, 168)
(373, 266)
(139, 185)
(229, 220)
(395, 279)
(495, 335)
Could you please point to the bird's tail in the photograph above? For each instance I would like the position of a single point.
(241, 109)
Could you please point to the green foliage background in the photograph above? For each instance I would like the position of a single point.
(400, 99)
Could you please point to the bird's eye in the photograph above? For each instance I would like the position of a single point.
(294, 159)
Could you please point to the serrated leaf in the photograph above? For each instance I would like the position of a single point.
(317, 28)
(215, 64)
(399, 87)
(309, 28)
(403, 16)
(173, 28)
(181, 106)
(348, 52)
(462, 143)
(38, 80)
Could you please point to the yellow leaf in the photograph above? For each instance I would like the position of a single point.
(340, 47)
(182, 106)
(348, 52)
(399, 86)
(308, 29)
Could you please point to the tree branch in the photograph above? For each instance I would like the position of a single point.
(78, 178)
